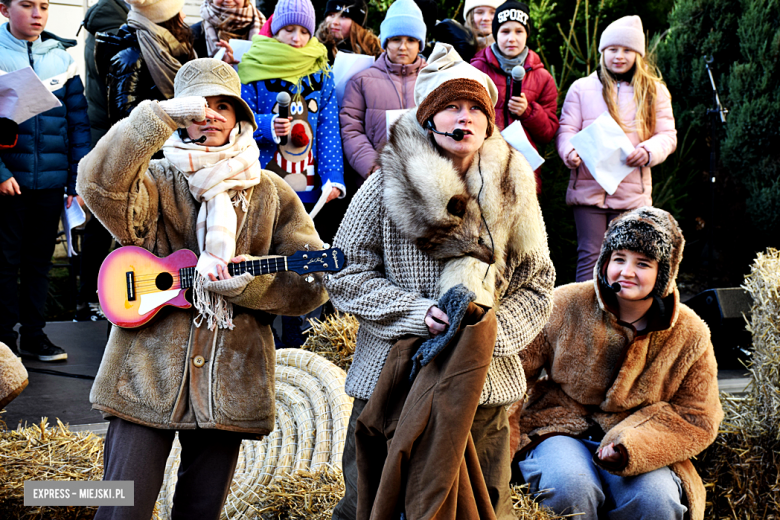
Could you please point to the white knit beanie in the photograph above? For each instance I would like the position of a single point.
(471, 4)
(157, 11)
(624, 32)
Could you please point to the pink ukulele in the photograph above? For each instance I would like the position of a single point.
(134, 284)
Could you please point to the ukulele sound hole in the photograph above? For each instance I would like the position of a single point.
(164, 281)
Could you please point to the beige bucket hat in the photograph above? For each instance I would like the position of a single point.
(209, 77)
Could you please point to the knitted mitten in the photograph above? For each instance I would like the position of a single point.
(229, 288)
(13, 376)
(454, 303)
(185, 111)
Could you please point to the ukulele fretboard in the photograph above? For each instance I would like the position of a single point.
(254, 267)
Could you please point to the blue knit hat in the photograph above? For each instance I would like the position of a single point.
(403, 18)
(293, 12)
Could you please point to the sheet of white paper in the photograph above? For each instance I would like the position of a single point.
(391, 116)
(72, 217)
(345, 66)
(515, 136)
(23, 95)
(239, 48)
(326, 189)
(603, 146)
(220, 53)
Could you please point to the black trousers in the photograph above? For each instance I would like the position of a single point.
(139, 453)
(95, 243)
(28, 229)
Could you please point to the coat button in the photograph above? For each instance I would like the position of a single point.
(198, 361)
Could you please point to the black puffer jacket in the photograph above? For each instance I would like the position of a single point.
(105, 16)
(118, 59)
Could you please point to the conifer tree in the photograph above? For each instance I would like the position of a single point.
(751, 149)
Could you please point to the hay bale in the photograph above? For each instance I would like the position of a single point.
(741, 470)
(303, 495)
(333, 338)
(526, 506)
(42, 452)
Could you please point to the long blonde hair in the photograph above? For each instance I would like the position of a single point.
(482, 41)
(646, 81)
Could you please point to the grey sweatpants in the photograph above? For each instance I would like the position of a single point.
(138, 453)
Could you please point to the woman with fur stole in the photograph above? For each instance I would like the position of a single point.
(208, 371)
(441, 212)
(630, 393)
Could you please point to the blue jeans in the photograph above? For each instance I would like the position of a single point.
(563, 469)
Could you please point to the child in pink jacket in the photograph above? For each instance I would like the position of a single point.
(641, 104)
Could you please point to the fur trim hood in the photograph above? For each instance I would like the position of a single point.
(652, 232)
(476, 221)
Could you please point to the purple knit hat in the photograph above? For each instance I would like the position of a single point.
(293, 12)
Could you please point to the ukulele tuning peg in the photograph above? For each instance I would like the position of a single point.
(325, 246)
(309, 278)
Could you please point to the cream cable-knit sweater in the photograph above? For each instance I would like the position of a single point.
(389, 285)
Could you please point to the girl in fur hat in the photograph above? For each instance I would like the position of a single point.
(451, 204)
(631, 90)
(206, 372)
(630, 393)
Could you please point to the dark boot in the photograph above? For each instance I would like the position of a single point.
(41, 348)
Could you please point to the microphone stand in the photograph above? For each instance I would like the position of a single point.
(717, 116)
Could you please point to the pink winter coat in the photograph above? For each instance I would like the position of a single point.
(539, 120)
(368, 95)
(584, 103)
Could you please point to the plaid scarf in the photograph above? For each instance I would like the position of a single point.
(222, 23)
(218, 178)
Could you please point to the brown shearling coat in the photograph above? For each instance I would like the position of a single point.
(660, 401)
(147, 374)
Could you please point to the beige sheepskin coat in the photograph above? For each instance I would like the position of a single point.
(148, 375)
(654, 394)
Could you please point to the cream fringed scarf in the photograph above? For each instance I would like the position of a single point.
(218, 178)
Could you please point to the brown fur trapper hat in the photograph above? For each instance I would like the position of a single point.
(652, 232)
(449, 91)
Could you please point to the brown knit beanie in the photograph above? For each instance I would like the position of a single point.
(454, 89)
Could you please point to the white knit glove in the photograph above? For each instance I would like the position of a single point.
(229, 288)
(186, 110)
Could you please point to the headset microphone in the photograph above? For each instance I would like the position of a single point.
(185, 137)
(615, 287)
(456, 134)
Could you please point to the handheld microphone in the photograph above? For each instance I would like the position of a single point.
(185, 137)
(456, 134)
(518, 73)
(283, 98)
